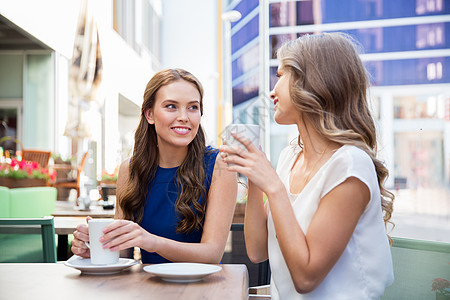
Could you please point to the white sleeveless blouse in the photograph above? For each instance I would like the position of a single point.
(365, 268)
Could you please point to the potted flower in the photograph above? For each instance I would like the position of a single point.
(442, 288)
(19, 173)
(109, 178)
(107, 183)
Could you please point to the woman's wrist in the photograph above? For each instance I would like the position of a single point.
(275, 189)
(152, 243)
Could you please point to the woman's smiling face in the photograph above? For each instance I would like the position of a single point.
(175, 114)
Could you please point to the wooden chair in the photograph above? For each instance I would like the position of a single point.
(75, 182)
(27, 240)
(41, 157)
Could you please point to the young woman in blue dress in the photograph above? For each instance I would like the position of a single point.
(175, 197)
(323, 226)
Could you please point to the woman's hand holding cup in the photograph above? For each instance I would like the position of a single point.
(81, 236)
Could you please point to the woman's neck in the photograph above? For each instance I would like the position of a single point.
(173, 157)
(314, 144)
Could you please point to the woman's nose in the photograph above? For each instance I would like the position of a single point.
(182, 116)
(272, 94)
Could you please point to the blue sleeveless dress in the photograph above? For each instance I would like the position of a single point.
(160, 217)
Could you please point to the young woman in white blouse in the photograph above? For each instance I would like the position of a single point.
(323, 227)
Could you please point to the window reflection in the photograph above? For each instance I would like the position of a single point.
(428, 6)
(430, 35)
(245, 34)
(409, 71)
(246, 90)
(418, 159)
(246, 62)
(387, 39)
(292, 13)
(419, 107)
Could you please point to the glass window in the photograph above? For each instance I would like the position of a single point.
(419, 159)
(245, 34)
(419, 107)
(276, 41)
(246, 62)
(11, 75)
(291, 13)
(409, 71)
(387, 39)
(273, 77)
(246, 90)
(429, 6)
(138, 24)
(245, 7)
(402, 38)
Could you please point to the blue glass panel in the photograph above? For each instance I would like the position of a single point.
(293, 13)
(246, 90)
(245, 7)
(245, 34)
(276, 41)
(403, 38)
(273, 77)
(409, 71)
(246, 62)
(389, 39)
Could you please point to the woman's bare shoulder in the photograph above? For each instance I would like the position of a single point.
(123, 171)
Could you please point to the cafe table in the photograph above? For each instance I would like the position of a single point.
(57, 281)
(68, 209)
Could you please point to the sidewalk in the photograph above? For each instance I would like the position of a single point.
(422, 214)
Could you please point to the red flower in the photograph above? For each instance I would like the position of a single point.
(440, 284)
(25, 169)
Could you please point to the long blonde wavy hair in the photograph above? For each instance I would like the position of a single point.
(190, 175)
(329, 85)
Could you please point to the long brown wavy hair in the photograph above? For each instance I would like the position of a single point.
(144, 163)
(328, 86)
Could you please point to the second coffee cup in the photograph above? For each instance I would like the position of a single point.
(250, 131)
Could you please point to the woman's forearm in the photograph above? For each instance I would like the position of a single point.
(175, 251)
(255, 225)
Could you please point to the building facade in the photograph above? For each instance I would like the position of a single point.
(406, 51)
(35, 58)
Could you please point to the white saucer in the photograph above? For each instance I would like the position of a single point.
(86, 267)
(182, 272)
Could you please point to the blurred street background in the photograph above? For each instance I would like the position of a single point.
(72, 81)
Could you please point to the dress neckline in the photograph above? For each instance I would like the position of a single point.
(297, 151)
(168, 169)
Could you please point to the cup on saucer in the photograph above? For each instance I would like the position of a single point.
(100, 256)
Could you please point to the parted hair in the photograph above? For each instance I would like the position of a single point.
(329, 86)
(190, 175)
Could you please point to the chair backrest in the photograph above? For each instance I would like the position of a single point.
(417, 263)
(27, 240)
(81, 167)
(41, 157)
(32, 202)
(4, 202)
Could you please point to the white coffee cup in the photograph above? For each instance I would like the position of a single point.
(100, 256)
(250, 131)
